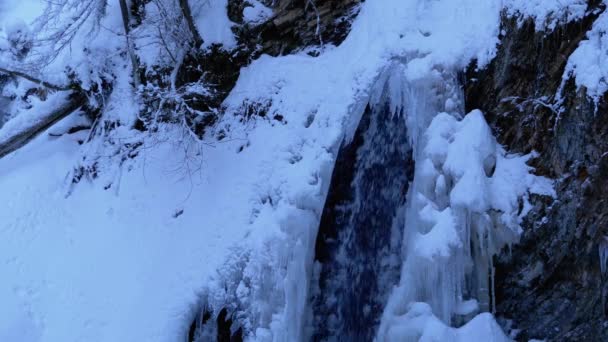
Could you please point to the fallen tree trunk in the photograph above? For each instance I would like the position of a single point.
(34, 79)
(10, 142)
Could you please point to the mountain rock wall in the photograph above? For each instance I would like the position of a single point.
(551, 285)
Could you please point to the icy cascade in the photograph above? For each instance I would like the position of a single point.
(291, 172)
(360, 233)
(465, 203)
(358, 242)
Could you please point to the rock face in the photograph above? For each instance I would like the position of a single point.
(295, 24)
(551, 285)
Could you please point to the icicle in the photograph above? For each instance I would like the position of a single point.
(492, 277)
(461, 210)
(603, 251)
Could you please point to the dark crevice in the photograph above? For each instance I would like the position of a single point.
(357, 247)
(221, 328)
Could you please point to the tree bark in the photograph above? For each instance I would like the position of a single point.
(196, 37)
(15, 142)
(124, 9)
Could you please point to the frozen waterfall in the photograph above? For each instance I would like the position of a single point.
(422, 198)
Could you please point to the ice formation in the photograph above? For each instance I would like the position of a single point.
(465, 204)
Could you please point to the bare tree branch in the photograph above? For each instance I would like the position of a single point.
(166, 46)
(60, 23)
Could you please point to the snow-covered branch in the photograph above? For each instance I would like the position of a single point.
(18, 133)
(543, 101)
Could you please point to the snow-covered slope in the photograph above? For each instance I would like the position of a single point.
(124, 263)
(588, 64)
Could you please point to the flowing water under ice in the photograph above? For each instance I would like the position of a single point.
(358, 242)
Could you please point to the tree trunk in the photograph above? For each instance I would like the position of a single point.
(33, 79)
(196, 37)
(24, 136)
(124, 9)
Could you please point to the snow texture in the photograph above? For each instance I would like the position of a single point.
(256, 13)
(123, 257)
(419, 324)
(21, 10)
(211, 19)
(31, 117)
(546, 14)
(588, 64)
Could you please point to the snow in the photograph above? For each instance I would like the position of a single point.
(211, 19)
(546, 14)
(112, 265)
(101, 43)
(588, 64)
(23, 10)
(28, 118)
(256, 13)
(419, 324)
(441, 238)
(467, 307)
(462, 209)
(332, 91)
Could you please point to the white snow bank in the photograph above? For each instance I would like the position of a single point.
(442, 237)
(588, 64)
(257, 12)
(26, 10)
(211, 19)
(126, 256)
(126, 263)
(28, 118)
(419, 324)
(546, 14)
